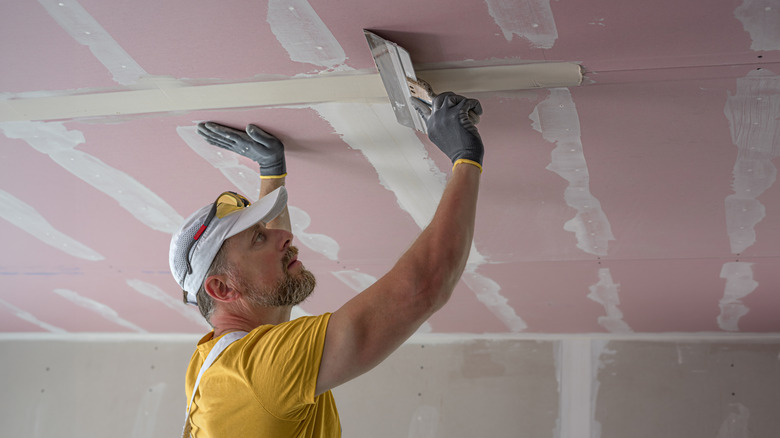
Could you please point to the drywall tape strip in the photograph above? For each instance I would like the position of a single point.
(337, 88)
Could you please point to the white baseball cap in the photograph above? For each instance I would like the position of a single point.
(197, 242)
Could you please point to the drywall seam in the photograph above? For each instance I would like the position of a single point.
(556, 118)
(59, 143)
(101, 309)
(80, 25)
(330, 88)
(26, 218)
(605, 292)
(403, 167)
(739, 284)
(157, 294)
(530, 19)
(304, 35)
(29, 317)
(753, 113)
(760, 19)
(573, 372)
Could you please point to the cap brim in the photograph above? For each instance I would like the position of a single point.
(264, 210)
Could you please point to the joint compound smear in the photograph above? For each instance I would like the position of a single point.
(760, 19)
(29, 317)
(59, 143)
(557, 120)
(739, 284)
(753, 114)
(404, 168)
(80, 25)
(304, 35)
(246, 180)
(25, 217)
(530, 19)
(101, 309)
(177, 305)
(605, 292)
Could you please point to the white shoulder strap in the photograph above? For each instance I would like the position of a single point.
(220, 346)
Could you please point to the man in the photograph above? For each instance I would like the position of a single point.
(237, 263)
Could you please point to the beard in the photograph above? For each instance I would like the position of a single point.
(291, 290)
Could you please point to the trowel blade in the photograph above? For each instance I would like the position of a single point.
(395, 65)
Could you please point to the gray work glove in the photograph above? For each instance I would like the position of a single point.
(450, 128)
(255, 144)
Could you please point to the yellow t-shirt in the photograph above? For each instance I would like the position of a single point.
(263, 385)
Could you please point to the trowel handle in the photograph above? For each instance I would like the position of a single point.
(422, 90)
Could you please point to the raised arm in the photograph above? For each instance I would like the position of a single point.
(263, 148)
(377, 321)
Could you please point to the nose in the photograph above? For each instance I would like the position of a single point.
(285, 239)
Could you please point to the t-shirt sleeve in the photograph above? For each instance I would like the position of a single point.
(282, 364)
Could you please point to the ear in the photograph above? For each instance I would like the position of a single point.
(219, 289)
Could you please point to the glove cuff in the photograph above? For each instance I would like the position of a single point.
(464, 160)
(273, 176)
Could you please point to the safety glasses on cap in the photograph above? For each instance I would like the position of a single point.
(225, 204)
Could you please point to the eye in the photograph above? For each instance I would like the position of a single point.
(260, 237)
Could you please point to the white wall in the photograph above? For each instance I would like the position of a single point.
(434, 386)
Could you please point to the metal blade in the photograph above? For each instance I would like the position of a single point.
(395, 65)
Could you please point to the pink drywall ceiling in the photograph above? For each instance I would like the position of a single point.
(603, 207)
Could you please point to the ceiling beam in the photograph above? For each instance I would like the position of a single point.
(297, 91)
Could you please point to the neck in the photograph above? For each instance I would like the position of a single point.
(225, 321)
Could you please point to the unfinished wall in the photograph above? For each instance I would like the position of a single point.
(434, 386)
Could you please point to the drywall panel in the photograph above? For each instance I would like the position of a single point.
(477, 387)
(433, 386)
(688, 389)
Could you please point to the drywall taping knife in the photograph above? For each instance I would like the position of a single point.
(402, 85)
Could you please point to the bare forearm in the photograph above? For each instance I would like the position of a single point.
(268, 185)
(439, 255)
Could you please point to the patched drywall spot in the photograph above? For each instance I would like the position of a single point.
(151, 291)
(59, 143)
(148, 409)
(739, 284)
(605, 292)
(80, 25)
(424, 423)
(761, 19)
(530, 19)
(304, 35)
(101, 309)
(737, 422)
(29, 317)
(404, 168)
(753, 113)
(556, 118)
(26, 218)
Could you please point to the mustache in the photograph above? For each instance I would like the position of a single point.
(289, 256)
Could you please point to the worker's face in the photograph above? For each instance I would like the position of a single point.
(266, 267)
